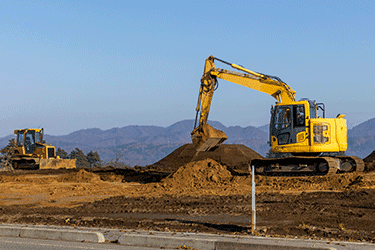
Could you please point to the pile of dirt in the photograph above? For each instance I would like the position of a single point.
(370, 157)
(198, 174)
(111, 177)
(79, 177)
(234, 156)
(209, 176)
(171, 162)
(370, 162)
(106, 168)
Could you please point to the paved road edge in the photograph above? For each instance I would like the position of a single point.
(202, 244)
(52, 234)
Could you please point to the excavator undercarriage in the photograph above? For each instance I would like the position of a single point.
(308, 165)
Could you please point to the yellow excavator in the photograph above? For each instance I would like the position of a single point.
(33, 153)
(300, 140)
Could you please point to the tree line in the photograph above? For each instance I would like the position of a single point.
(90, 160)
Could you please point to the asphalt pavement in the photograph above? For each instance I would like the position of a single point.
(18, 243)
(56, 237)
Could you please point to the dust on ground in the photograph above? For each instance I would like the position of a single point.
(203, 195)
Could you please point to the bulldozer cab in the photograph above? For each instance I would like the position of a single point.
(27, 139)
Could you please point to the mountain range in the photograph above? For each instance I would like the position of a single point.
(144, 145)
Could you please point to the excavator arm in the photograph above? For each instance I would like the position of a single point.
(204, 136)
(271, 85)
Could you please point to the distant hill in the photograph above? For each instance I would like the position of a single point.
(265, 128)
(144, 145)
(361, 139)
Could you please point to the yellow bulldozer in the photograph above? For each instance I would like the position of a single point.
(33, 153)
(300, 139)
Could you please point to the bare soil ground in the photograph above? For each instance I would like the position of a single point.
(196, 195)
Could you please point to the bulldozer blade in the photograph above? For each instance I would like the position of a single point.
(57, 163)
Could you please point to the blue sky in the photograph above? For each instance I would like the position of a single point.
(70, 65)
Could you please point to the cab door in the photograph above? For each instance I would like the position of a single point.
(30, 142)
(281, 124)
(287, 123)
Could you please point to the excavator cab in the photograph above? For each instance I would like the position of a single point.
(286, 122)
(297, 129)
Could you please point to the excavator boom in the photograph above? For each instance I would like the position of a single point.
(206, 137)
(271, 85)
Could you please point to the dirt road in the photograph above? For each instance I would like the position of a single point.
(201, 196)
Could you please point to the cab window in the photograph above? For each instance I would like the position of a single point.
(38, 137)
(20, 139)
(282, 117)
(29, 142)
(299, 115)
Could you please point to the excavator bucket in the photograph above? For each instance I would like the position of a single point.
(206, 138)
(57, 163)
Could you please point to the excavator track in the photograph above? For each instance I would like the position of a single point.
(308, 165)
(351, 164)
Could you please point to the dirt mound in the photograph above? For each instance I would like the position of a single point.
(198, 174)
(370, 162)
(234, 156)
(101, 169)
(370, 157)
(370, 166)
(80, 176)
(173, 161)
